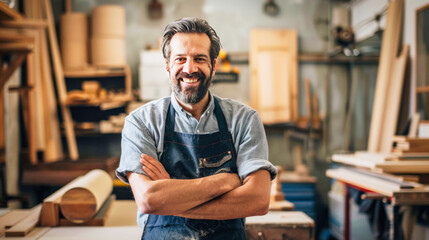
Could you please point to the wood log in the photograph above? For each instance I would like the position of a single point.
(85, 197)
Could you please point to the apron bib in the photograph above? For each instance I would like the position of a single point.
(190, 156)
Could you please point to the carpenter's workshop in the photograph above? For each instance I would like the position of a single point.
(214, 119)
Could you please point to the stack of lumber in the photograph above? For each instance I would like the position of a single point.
(411, 147)
(385, 163)
(384, 184)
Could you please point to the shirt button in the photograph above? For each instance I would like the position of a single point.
(198, 131)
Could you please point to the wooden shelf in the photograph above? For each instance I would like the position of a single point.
(99, 103)
(323, 58)
(24, 23)
(93, 72)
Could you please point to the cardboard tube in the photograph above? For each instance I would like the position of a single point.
(108, 21)
(74, 40)
(108, 52)
(86, 195)
(74, 26)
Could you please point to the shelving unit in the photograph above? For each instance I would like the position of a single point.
(117, 84)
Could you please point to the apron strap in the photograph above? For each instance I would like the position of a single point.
(169, 122)
(221, 121)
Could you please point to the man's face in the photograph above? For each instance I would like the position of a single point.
(189, 67)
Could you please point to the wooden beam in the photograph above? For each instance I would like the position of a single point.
(7, 13)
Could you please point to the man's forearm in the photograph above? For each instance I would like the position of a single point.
(172, 196)
(250, 199)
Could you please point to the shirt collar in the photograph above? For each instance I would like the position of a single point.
(182, 112)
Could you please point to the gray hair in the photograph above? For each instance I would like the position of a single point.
(190, 25)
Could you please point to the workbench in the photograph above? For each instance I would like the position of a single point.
(376, 187)
(121, 224)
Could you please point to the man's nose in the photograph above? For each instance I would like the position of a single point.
(190, 67)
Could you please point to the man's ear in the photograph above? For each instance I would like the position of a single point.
(167, 69)
(215, 64)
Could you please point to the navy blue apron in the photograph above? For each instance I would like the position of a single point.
(189, 156)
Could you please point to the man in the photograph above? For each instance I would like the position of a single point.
(203, 159)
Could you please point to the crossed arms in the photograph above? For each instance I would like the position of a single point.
(221, 196)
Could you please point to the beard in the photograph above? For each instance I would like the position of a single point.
(192, 95)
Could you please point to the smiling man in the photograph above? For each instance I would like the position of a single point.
(197, 163)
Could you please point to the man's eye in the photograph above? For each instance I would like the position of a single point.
(200, 59)
(180, 59)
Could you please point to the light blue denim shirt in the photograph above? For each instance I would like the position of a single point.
(144, 133)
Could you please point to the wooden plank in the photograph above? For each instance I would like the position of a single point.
(31, 118)
(54, 147)
(364, 181)
(35, 234)
(26, 225)
(391, 110)
(389, 51)
(49, 116)
(61, 88)
(11, 218)
(414, 126)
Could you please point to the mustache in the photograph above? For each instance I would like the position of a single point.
(198, 75)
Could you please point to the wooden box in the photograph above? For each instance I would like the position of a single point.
(291, 225)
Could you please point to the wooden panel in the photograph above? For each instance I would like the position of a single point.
(274, 71)
(389, 51)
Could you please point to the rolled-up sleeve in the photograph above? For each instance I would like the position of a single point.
(136, 139)
(252, 151)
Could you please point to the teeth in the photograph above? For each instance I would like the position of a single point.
(190, 80)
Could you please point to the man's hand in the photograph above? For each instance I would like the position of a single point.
(153, 168)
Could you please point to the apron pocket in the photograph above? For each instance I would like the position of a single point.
(215, 161)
